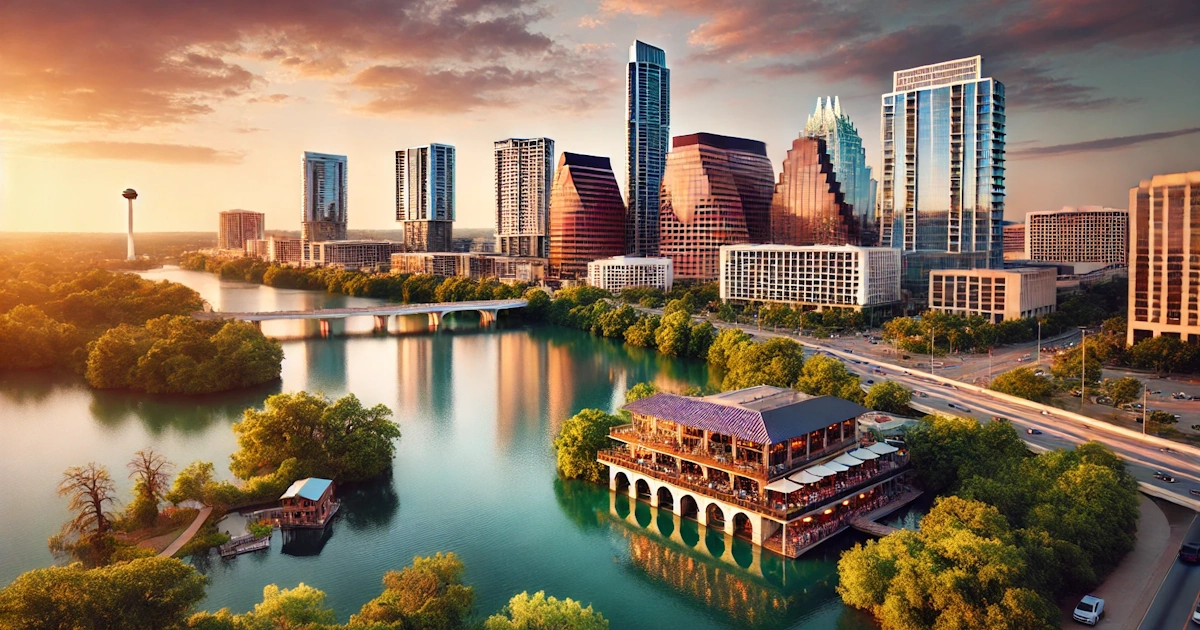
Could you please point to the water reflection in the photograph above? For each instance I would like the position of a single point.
(370, 505)
(31, 388)
(186, 414)
(753, 588)
(306, 542)
(582, 502)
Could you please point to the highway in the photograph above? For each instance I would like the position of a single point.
(1178, 595)
(1142, 457)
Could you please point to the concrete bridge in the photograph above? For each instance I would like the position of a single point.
(487, 310)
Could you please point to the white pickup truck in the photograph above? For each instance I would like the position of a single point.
(1089, 610)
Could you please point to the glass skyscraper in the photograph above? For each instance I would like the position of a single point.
(809, 207)
(425, 197)
(943, 136)
(587, 215)
(846, 152)
(324, 217)
(716, 190)
(648, 122)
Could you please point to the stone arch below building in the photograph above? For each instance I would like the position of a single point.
(688, 508)
(714, 517)
(643, 489)
(743, 527)
(665, 500)
(621, 482)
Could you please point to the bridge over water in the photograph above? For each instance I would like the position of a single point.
(487, 310)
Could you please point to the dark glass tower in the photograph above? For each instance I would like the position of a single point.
(648, 122)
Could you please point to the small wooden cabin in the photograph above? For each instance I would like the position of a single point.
(307, 503)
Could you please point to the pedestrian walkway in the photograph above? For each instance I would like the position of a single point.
(1130, 588)
(187, 534)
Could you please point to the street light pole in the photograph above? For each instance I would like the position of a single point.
(1083, 368)
(1144, 389)
(1039, 354)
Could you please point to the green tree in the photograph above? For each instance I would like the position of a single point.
(429, 595)
(700, 339)
(538, 612)
(677, 306)
(537, 303)
(726, 313)
(640, 391)
(888, 397)
(339, 440)
(642, 334)
(30, 340)
(774, 362)
(672, 336)
(1122, 390)
(826, 376)
(579, 440)
(615, 322)
(193, 483)
(727, 343)
(1162, 354)
(1023, 383)
(151, 474)
(1066, 366)
(142, 593)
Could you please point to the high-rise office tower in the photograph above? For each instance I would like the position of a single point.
(587, 215)
(716, 190)
(425, 197)
(809, 207)
(943, 135)
(648, 130)
(324, 216)
(238, 226)
(524, 171)
(1164, 242)
(847, 155)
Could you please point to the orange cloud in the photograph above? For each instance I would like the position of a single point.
(140, 152)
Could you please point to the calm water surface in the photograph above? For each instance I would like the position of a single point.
(474, 474)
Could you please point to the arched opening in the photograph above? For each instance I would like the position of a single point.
(688, 507)
(643, 490)
(665, 500)
(714, 518)
(622, 483)
(742, 527)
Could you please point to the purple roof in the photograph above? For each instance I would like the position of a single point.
(773, 425)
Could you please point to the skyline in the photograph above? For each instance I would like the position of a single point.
(1088, 111)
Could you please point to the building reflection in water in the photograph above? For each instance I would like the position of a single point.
(306, 542)
(325, 363)
(754, 589)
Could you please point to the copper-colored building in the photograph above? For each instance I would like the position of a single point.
(809, 207)
(716, 190)
(587, 215)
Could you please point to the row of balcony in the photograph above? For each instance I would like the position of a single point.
(831, 489)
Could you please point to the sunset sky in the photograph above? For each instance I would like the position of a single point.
(208, 106)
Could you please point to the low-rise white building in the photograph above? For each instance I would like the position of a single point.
(824, 276)
(621, 272)
(996, 294)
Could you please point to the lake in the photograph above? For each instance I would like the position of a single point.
(474, 474)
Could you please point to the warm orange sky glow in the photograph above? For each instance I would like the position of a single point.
(209, 106)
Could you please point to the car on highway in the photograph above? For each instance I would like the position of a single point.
(1194, 492)
(1189, 552)
(1033, 431)
(1162, 476)
(922, 395)
(1039, 372)
(1089, 610)
(870, 382)
(957, 406)
(1196, 614)
(907, 373)
(1045, 413)
(1157, 391)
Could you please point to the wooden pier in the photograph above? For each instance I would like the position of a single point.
(867, 524)
(244, 544)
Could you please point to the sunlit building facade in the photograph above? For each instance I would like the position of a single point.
(621, 272)
(777, 467)
(355, 255)
(995, 294)
(587, 215)
(849, 159)
(425, 197)
(1085, 234)
(236, 228)
(815, 276)
(647, 132)
(524, 172)
(324, 217)
(942, 200)
(1014, 241)
(809, 207)
(716, 191)
(1164, 258)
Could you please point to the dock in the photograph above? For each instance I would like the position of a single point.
(244, 544)
(866, 523)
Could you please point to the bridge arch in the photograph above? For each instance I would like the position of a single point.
(621, 483)
(643, 489)
(742, 526)
(714, 517)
